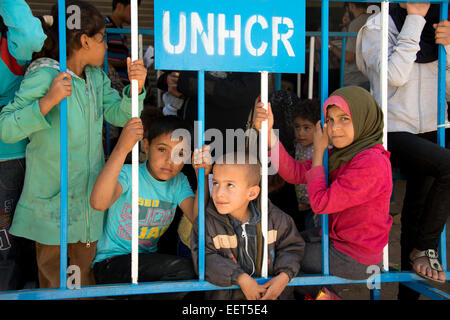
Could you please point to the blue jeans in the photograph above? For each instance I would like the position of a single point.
(16, 253)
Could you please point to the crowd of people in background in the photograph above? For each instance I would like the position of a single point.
(356, 193)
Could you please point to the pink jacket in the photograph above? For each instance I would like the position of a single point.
(357, 199)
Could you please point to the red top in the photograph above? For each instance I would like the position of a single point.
(357, 199)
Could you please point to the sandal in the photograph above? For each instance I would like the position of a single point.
(432, 256)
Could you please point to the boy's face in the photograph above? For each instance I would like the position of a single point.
(162, 163)
(304, 131)
(231, 192)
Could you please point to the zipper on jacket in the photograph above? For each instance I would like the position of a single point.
(88, 242)
(244, 235)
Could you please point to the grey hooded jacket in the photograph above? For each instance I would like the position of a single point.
(412, 87)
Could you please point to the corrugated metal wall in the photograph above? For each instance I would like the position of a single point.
(41, 7)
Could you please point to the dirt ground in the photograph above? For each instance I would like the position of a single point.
(389, 290)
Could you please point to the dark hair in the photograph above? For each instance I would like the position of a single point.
(360, 4)
(91, 20)
(3, 28)
(125, 2)
(308, 109)
(156, 124)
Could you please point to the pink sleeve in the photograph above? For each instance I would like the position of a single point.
(288, 168)
(363, 179)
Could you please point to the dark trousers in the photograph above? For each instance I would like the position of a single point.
(17, 255)
(152, 267)
(426, 206)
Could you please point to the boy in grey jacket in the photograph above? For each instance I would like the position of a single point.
(234, 242)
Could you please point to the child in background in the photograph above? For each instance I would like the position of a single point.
(305, 117)
(234, 244)
(20, 35)
(35, 114)
(162, 188)
(360, 182)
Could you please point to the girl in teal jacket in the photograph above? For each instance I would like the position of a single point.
(34, 114)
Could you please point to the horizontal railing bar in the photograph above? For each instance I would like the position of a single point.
(186, 286)
(128, 31)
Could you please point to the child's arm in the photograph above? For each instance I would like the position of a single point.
(366, 178)
(117, 111)
(200, 159)
(402, 51)
(25, 34)
(39, 92)
(107, 189)
(288, 168)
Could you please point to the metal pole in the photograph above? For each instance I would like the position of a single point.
(384, 92)
(323, 97)
(344, 45)
(311, 67)
(264, 170)
(135, 151)
(201, 176)
(442, 104)
(63, 148)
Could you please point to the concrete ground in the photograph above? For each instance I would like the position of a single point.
(389, 290)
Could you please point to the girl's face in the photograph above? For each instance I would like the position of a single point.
(165, 156)
(95, 54)
(340, 127)
(303, 131)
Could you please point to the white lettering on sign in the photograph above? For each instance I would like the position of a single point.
(179, 48)
(224, 34)
(197, 28)
(207, 35)
(248, 35)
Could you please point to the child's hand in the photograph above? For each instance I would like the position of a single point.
(202, 159)
(59, 90)
(137, 71)
(275, 286)
(320, 143)
(251, 289)
(261, 115)
(132, 132)
(442, 32)
(320, 140)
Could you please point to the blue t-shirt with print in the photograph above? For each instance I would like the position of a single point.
(158, 201)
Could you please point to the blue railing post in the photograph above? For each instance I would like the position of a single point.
(442, 105)
(323, 97)
(409, 278)
(63, 148)
(201, 176)
(341, 75)
(277, 81)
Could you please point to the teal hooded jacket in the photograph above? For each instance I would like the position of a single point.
(24, 36)
(37, 214)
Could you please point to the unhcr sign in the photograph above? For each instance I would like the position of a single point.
(232, 35)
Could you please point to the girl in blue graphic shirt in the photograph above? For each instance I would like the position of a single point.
(162, 187)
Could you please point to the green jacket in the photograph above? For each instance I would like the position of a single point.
(37, 215)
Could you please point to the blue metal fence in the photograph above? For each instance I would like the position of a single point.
(408, 278)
